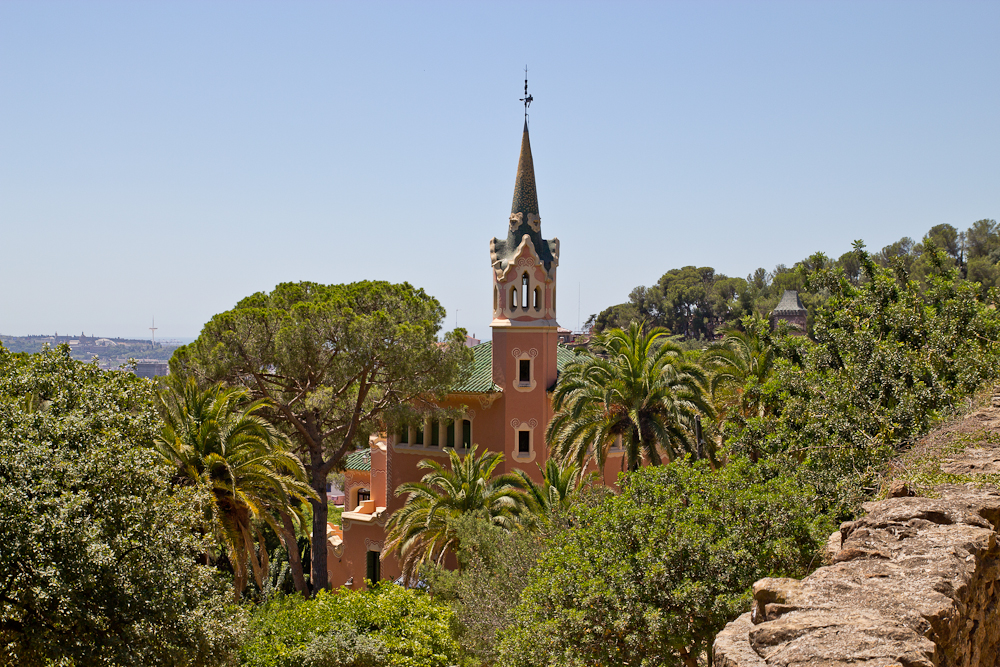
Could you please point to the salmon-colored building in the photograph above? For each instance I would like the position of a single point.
(505, 403)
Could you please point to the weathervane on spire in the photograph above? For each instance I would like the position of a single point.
(527, 98)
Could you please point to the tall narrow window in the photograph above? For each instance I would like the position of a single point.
(404, 435)
(496, 297)
(373, 566)
(466, 433)
(524, 371)
(513, 298)
(435, 434)
(524, 291)
(418, 434)
(450, 441)
(538, 298)
(523, 442)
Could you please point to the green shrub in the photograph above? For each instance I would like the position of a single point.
(98, 559)
(649, 577)
(389, 625)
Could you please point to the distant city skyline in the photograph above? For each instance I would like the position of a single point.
(170, 158)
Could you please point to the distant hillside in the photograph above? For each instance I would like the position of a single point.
(111, 352)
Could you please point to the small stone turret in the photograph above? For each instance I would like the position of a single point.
(791, 310)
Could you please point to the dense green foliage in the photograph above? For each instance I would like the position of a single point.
(495, 566)
(336, 361)
(693, 302)
(97, 549)
(891, 356)
(388, 626)
(649, 576)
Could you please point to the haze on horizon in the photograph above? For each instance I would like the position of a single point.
(170, 158)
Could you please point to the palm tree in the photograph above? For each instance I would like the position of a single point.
(638, 388)
(423, 530)
(560, 482)
(740, 365)
(215, 439)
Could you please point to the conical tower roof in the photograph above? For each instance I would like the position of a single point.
(790, 303)
(524, 218)
(525, 194)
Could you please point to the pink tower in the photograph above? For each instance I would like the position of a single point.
(524, 324)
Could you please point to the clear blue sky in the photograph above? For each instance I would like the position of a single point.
(169, 158)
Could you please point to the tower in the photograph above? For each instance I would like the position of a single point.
(524, 319)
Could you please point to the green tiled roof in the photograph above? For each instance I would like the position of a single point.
(564, 356)
(359, 460)
(480, 381)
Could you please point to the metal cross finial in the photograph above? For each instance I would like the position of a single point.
(527, 99)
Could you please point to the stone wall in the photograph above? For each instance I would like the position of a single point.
(913, 583)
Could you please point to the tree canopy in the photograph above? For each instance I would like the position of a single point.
(97, 547)
(693, 302)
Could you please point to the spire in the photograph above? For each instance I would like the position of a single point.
(525, 195)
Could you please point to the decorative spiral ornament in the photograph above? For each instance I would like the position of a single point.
(533, 423)
(514, 423)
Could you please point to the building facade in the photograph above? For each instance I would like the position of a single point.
(505, 404)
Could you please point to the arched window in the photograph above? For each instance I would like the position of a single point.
(496, 297)
(513, 298)
(524, 291)
(538, 298)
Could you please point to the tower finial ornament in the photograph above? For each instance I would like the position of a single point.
(527, 99)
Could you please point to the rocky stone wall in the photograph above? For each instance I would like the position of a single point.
(913, 583)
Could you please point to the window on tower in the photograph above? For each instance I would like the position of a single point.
(524, 371)
(513, 298)
(538, 298)
(523, 442)
(524, 291)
